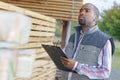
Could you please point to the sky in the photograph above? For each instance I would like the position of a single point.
(102, 4)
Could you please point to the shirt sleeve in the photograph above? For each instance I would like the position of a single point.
(103, 69)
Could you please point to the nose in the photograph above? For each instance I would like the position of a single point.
(82, 12)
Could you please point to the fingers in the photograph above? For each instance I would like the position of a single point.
(65, 61)
(56, 78)
(69, 63)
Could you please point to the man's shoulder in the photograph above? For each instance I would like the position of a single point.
(103, 34)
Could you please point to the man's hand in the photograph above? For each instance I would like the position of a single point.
(68, 63)
(57, 78)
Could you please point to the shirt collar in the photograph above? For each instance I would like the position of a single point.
(90, 30)
(93, 29)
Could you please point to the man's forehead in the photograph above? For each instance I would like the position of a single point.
(87, 6)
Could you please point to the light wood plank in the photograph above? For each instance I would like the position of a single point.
(40, 39)
(25, 11)
(32, 45)
(40, 63)
(53, 1)
(42, 22)
(36, 33)
(45, 3)
(43, 28)
(51, 7)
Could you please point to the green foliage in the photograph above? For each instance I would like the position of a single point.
(110, 21)
(73, 24)
(58, 32)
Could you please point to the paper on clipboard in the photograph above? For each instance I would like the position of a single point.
(55, 53)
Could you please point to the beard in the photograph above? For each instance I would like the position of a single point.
(82, 21)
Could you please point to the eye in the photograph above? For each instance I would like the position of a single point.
(87, 10)
(81, 10)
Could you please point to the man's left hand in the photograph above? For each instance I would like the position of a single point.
(68, 63)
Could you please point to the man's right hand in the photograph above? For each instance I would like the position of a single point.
(56, 78)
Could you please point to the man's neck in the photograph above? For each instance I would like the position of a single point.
(86, 27)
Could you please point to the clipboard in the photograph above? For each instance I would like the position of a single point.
(55, 53)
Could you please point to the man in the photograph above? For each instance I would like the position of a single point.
(89, 49)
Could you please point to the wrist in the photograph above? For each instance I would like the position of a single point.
(76, 63)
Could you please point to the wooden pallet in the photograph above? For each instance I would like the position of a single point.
(60, 9)
(43, 31)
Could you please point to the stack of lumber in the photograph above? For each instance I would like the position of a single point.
(60, 9)
(42, 32)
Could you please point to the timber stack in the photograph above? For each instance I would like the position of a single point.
(42, 32)
(67, 10)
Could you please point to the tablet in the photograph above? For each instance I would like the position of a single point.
(55, 54)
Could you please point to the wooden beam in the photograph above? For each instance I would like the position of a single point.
(65, 23)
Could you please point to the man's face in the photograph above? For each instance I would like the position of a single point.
(86, 15)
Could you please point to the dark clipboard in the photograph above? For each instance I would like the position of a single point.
(55, 53)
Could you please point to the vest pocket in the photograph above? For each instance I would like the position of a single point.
(88, 55)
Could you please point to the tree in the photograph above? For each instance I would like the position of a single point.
(110, 21)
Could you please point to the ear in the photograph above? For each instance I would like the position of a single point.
(96, 18)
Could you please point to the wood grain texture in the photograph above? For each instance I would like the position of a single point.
(59, 9)
(42, 32)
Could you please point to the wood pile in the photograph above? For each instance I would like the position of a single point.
(60, 9)
(43, 31)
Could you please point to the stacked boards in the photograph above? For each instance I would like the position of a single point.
(59, 9)
(42, 32)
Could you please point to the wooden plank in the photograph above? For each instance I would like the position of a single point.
(41, 67)
(32, 45)
(46, 6)
(20, 79)
(43, 28)
(46, 73)
(52, 8)
(39, 63)
(38, 51)
(25, 11)
(56, 11)
(40, 39)
(42, 56)
(43, 3)
(41, 22)
(56, 1)
(54, 14)
(63, 17)
(37, 33)
(40, 70)
(68, 16)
